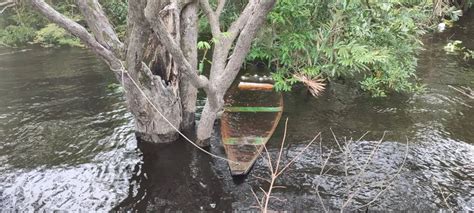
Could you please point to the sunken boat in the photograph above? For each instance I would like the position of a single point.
(251, 115)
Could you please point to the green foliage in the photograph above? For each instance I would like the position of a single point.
(16, 35)
(52, 35)
(375, 44)
(18, 25)
(117, 13)
(204, 46)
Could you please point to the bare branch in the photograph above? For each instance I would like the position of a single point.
(6, 7)
(391, 180)
(7, 3)
(261, 178)
(298, 155)
(239, 24)
(79, 31)
(445, 199)
(325, 163)
(467, 91)
(282, 145)
(320, 199)
(100, 25)
(258, 201)
(269, 161)
(362, 172)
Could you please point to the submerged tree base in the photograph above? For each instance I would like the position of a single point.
(157, 138)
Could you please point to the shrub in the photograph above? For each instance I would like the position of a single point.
(16, 35)
(52, 35)
(373, 43)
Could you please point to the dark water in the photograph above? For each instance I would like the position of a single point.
(67, 143)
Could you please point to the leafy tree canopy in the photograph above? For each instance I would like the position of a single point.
(371, 42)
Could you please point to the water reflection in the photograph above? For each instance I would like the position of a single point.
(174, 177)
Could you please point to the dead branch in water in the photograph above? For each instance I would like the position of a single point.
(275, 171)
(315, 85)
(445, 198)
(467, 91)
(355, 183)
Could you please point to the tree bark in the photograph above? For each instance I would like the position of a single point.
(156, 121)
(189, 39)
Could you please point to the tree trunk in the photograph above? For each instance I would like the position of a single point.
(189, 38)
(156, 121)
(214, 104)
(157, 64)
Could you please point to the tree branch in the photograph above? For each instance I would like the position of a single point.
(244, 41)
(7, 4)
(78, 31)
(100, 25)
(159, 28)
(222, 48)
(137, 36)
(220, 8)
(239, 24)
(212, 17)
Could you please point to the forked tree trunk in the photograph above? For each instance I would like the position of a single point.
(158, 63)
(169, 91)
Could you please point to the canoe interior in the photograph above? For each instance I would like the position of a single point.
(249, 120)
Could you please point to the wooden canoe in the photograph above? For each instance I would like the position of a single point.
(250, 117)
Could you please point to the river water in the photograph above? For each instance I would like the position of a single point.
(67, 143)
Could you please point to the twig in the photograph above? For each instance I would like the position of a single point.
(325, 162)
(261, 178)
(256, 198)
(320, 199)
(362, 171)
(391, 180)
(275, 170)
(298, 155)
(467, 91)
(445, 199)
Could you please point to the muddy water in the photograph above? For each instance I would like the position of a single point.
(66, 143)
